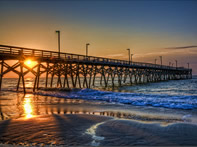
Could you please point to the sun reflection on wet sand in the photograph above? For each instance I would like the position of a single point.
(28, 107)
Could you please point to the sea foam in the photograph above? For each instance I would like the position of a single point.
(138, 99)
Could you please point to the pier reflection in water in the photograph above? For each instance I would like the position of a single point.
(14, 105)
(29, 105)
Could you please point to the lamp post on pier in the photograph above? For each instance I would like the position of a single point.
(131, 57)
(188, 65)
(87, 44)
(155, 61)
(161, 59)
(176, 63)
(58, 32)
(129, 54)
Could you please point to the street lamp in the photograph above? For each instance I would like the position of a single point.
(155, 61)
(169, 63)
(188, 65)
(58, 32)
(176, 63)
(129, 54)
(131, 57)
(161, 59)
(87, 49)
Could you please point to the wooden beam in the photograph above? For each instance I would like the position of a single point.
(22, 76)
(1, 75)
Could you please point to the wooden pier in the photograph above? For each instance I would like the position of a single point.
(81, 69)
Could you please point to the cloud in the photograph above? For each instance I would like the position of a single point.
(152, 54)
(183, 47)
(114, 55)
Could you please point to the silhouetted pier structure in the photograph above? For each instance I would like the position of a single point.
(82, 70)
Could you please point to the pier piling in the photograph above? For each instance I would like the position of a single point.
(82, 70)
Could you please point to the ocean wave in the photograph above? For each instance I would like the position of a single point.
(138, 99)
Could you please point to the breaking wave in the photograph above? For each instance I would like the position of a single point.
(138, 99)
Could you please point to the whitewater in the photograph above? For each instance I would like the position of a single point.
(177, 94)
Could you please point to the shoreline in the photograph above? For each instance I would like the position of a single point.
(166, 95)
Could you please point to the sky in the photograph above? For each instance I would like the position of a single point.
(149, 28)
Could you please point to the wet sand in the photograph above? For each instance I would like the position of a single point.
(126, 133)
(49, 129)
(93, 130)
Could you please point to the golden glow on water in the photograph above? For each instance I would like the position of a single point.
(29, 82)
(28, 107)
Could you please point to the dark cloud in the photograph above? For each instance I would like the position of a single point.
(183, 47)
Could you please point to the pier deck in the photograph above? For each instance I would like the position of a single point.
(77, 67)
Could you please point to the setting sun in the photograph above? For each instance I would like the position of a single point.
(30, 63)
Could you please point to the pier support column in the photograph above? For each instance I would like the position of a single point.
(47, 72)
(38, 73)
(1, 75)
(22, 76)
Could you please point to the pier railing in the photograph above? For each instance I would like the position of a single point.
(13, 51)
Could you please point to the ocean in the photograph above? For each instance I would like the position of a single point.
(175, 94)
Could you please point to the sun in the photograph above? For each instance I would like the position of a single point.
(30, 63)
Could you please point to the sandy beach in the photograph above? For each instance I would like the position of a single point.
(93, 130)
(49, 129)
